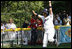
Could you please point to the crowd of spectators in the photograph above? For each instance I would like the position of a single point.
(59, 19)
(62, 18)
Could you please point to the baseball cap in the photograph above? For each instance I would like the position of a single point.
(45, 11)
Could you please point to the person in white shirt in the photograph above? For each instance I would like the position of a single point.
(10, 25)
(69, 16)
(2, 31)
(11, 34)
(67, 21)
(57, 20)
(48, 25)
(2, 26)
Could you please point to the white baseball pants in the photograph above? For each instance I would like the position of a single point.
(48, 36)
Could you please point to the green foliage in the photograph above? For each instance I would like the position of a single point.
(23, 9)
(19, 10)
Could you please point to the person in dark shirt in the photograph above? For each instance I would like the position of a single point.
(34, 31)
(62, 16)
(39, 22)
(25, 25)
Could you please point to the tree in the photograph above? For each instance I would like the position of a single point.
(23, 9)
(17, 9)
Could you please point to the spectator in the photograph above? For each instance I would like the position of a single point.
(34, 31)
(39, 32)
(12, 35)
(7, 25)
(25, 25)
(10, 24)
(62, 16)
(2, 25)
(39, 22)
(2, 28)
(69, 16)
(57, 20)
(29, 25)
(67, 21)
(2, 31)
(33, 22)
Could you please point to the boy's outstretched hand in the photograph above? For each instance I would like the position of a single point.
(34, 12)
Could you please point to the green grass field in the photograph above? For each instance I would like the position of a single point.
(66, 45)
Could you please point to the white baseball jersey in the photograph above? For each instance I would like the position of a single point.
(48, 21)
